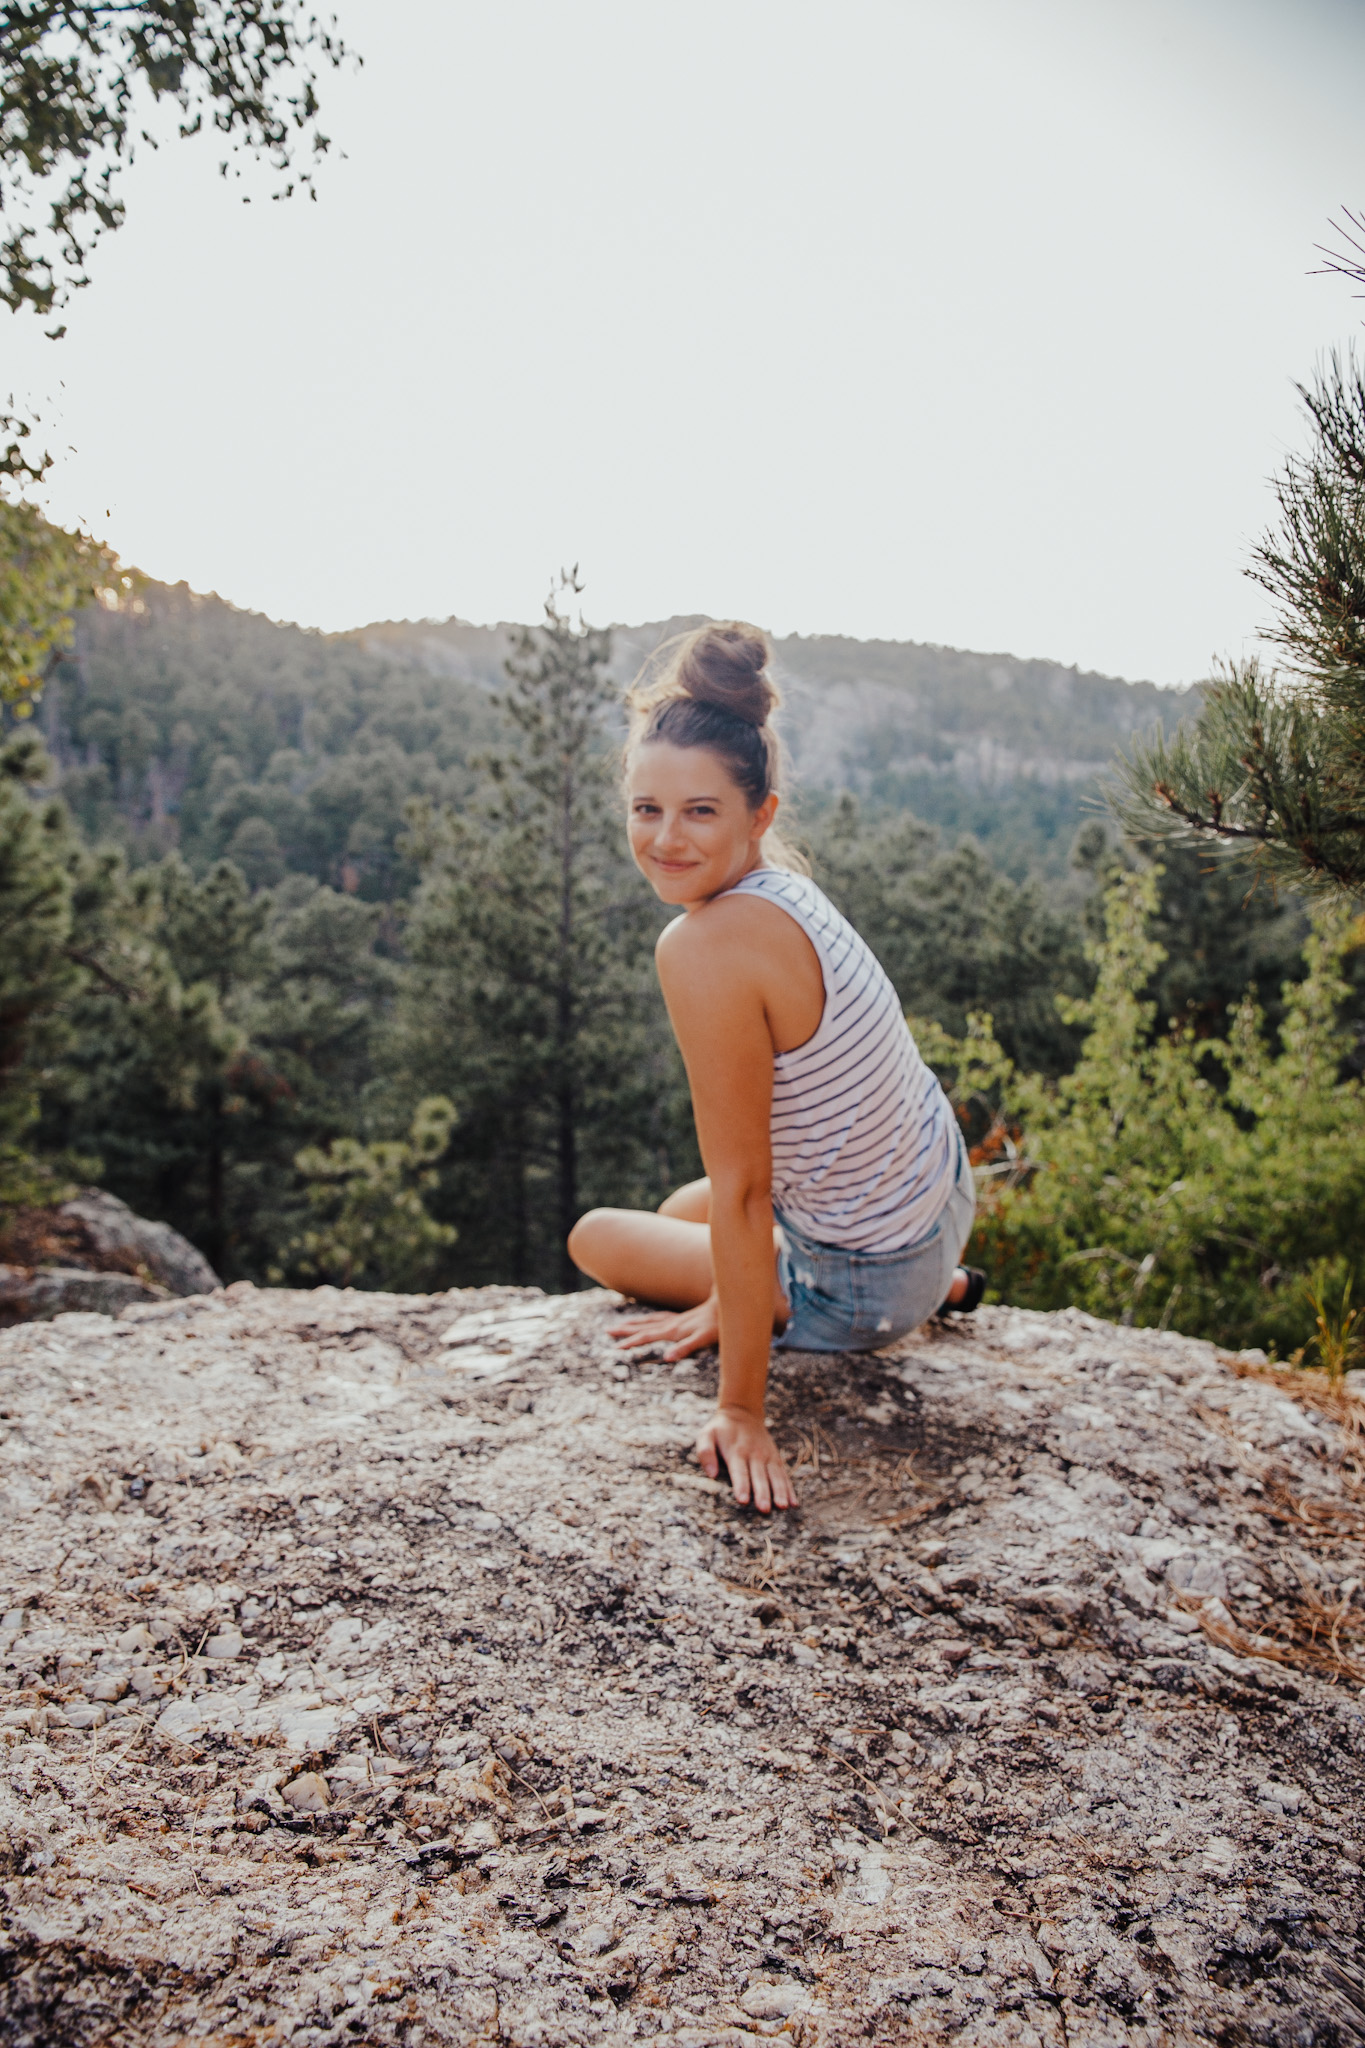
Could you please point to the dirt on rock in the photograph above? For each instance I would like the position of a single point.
(381, 1669)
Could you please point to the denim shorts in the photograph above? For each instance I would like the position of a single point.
(857, 1301)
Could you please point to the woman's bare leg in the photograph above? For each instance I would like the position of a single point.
(653, 1258)
(661, 1260)
(691, 1203)
(664, 1259)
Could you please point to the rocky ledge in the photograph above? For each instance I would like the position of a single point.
(380, 1669)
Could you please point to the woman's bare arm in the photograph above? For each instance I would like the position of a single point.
(712, 970)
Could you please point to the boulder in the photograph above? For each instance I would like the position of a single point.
(121, 1241)
(92, 1253)
(29, 1294)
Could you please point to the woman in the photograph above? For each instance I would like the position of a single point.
(838, 1196)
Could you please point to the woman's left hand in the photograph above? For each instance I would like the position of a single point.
(694, 1329)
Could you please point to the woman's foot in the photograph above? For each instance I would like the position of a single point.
(969, 1284)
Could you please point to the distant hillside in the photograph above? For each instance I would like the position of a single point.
(178, 720)
(988, 743)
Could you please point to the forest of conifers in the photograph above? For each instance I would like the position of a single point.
(346, 973)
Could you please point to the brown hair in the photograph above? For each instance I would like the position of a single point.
(711, 688)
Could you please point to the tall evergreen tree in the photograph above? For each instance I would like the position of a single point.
(72, 925)
(36, 971)
(530, 999)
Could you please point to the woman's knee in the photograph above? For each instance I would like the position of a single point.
(690, 1203)
(591, 1238)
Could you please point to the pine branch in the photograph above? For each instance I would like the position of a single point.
(1262, 771)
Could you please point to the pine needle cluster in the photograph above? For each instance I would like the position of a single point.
(1274, 766)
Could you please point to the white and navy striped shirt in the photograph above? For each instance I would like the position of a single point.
(864, 1149)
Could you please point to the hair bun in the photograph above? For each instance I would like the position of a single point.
(726, 665)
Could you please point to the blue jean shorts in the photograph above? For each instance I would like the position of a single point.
(857, 1301)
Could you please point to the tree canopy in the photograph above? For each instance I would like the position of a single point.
(79, 83)
(45, 573)
(1215, 1186)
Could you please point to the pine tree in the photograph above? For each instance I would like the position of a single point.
(37, 974)
(72, 926)
(369, 1224)
(1274, 766)
(530, 998)
(250, 1040)
(45, 573)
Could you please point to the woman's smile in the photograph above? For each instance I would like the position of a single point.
(692, 833)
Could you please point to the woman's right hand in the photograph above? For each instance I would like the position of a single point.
(756, 1469)
(680, 1333)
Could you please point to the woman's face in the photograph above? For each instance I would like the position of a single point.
(692, 832)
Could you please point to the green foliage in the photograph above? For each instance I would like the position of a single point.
(1217, 937)
(36, 972)
(953, 934)
(45, 573)
(1024, 827)
(530, 994)
(1275, 768)
(251, 1040)
(1192, 1183)
(75, 80)
(180, 723)
(1266, 772)
(1314, 566)
(373, 1229)
(287, 970)
(20, 467)
(1338, 1339)
(254, 1032)
(28, 1183)
(177, 719)
(69, 924)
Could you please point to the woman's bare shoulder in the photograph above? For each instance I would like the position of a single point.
(746, 928)
(740, 957)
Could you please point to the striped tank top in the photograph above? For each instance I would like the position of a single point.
(864, 1140)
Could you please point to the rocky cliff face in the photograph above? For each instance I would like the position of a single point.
(984, 720)
(381, 1669)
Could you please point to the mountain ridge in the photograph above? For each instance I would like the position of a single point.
(894, 684)
(176, 719)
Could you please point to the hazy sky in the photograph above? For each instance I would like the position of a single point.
(957, 320)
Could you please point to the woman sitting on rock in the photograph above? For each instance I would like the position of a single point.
(822, 1131)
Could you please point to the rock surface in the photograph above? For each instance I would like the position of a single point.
(381, 1669)
(92, 1253)
(37, 1293)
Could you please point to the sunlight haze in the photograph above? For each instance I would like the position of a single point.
(974, 324)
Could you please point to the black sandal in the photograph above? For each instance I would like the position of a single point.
(976, 1287)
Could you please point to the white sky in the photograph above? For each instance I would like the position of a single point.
(955, 320)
